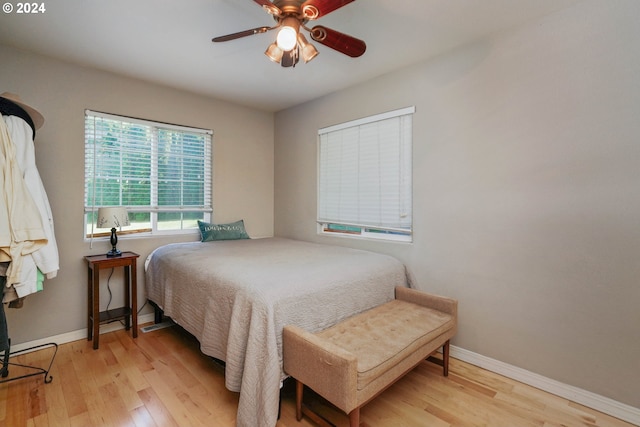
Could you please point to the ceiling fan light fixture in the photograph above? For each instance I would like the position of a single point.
(291, 16)
(287, 37)
(274, 53)
(307, 50)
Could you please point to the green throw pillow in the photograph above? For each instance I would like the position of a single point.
(232, 231)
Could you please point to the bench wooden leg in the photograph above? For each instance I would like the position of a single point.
(299, 391)
(445, 359)
(354, 418)
(444, 362)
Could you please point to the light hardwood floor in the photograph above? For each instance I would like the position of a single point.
(162, 379)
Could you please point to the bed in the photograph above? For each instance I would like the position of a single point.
(235, 296)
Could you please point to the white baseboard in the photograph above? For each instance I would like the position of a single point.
(80, 334)
(591, 400)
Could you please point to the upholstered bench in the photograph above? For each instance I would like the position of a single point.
(352, 362)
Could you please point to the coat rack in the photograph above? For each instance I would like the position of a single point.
(4, 372)
(12, 105)
(6, 354)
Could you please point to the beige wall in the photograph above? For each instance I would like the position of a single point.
(526, 190)
(242, 165)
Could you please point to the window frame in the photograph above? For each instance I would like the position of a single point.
(154, 209)
(354, 229)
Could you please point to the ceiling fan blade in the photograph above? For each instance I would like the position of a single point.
(240, 34)
(314, 9)
(270, 7)
(341, 42)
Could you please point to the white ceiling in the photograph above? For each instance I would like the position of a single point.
(169, 41)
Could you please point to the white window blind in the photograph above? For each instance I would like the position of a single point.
(365, 172)
(159, 170)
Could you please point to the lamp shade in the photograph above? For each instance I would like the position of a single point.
(274, 53)
(308, 51)
(112, 217)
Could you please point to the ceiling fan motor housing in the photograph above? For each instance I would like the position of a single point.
(292, 7)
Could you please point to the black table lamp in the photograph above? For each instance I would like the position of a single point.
(112, 217)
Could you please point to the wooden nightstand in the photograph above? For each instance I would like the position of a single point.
(95, 263)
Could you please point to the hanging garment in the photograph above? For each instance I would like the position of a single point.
(21, 230)
(46, 258)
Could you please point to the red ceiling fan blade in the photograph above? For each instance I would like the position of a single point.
(270, 7)
(314, 9)
(240, 34)
(341, 42)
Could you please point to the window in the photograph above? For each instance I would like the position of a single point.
(364, 177)
(161, 173)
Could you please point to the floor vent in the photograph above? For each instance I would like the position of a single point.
(156, 326)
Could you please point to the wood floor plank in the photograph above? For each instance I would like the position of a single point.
(601, 419)
(99, 415)
(142, 418)
(56, 404)
(389, 409)
(161, 379)
(80, 420)
(3, 402)
(37, 401)
(159, 412)
(70, 384)
(127, 392)
(42, 420)
(16, 414)
(167, 389)
(131, 369)
(115, 405)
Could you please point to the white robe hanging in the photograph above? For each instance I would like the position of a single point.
(46, 258)
(21, 230)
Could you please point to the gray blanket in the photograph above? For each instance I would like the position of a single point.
(236, 296)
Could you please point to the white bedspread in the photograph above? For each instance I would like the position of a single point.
(235, 297)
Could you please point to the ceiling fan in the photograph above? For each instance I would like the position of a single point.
(291, 44)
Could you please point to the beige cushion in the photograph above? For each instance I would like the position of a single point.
(382, 337)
